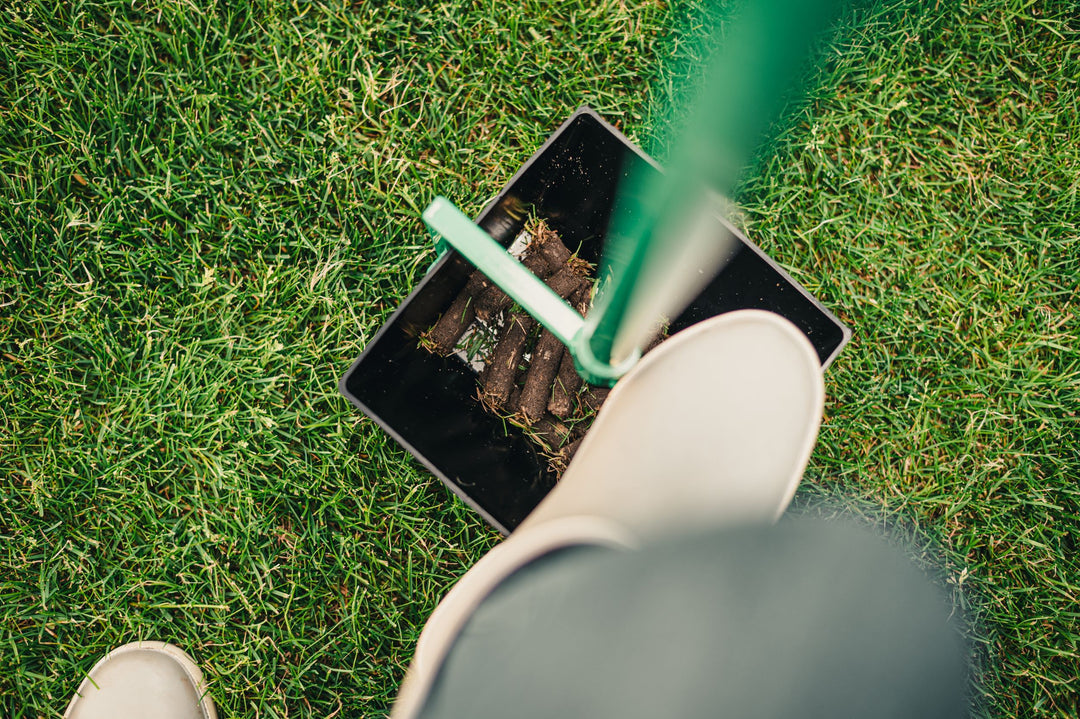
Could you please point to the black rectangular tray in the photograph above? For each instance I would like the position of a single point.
(429, 403)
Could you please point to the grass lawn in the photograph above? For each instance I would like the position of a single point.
(207, 209)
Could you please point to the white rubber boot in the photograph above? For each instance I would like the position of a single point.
(712, 428)
(143, 680)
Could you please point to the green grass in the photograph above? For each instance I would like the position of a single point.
(206, 210)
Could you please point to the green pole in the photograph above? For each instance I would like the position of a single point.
(751, 75)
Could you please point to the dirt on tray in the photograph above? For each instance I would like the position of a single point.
(528, 376)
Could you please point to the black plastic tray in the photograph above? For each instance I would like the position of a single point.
(429, 403)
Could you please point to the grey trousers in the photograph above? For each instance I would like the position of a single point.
(798, 620)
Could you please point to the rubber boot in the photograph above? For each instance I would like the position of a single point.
(143, 680)
(712, 428)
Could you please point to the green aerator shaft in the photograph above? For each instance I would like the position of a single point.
(651, 244)
(749, 79)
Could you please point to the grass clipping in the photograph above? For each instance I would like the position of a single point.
(526, 375)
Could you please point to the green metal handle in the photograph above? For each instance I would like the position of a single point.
(661, 247)
(752, 73)
(457, 230)
(493, 260)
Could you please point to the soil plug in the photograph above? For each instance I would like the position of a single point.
(543, 367)
(501, 370)
(493, 300)
(550, 431)
(562, 458)
(448, 330)
(567, 384)
(594, 397)
(566, 281)
(568, 381)
(548, 244)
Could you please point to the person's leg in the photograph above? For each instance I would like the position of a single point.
(794, 621)
(713, 428)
